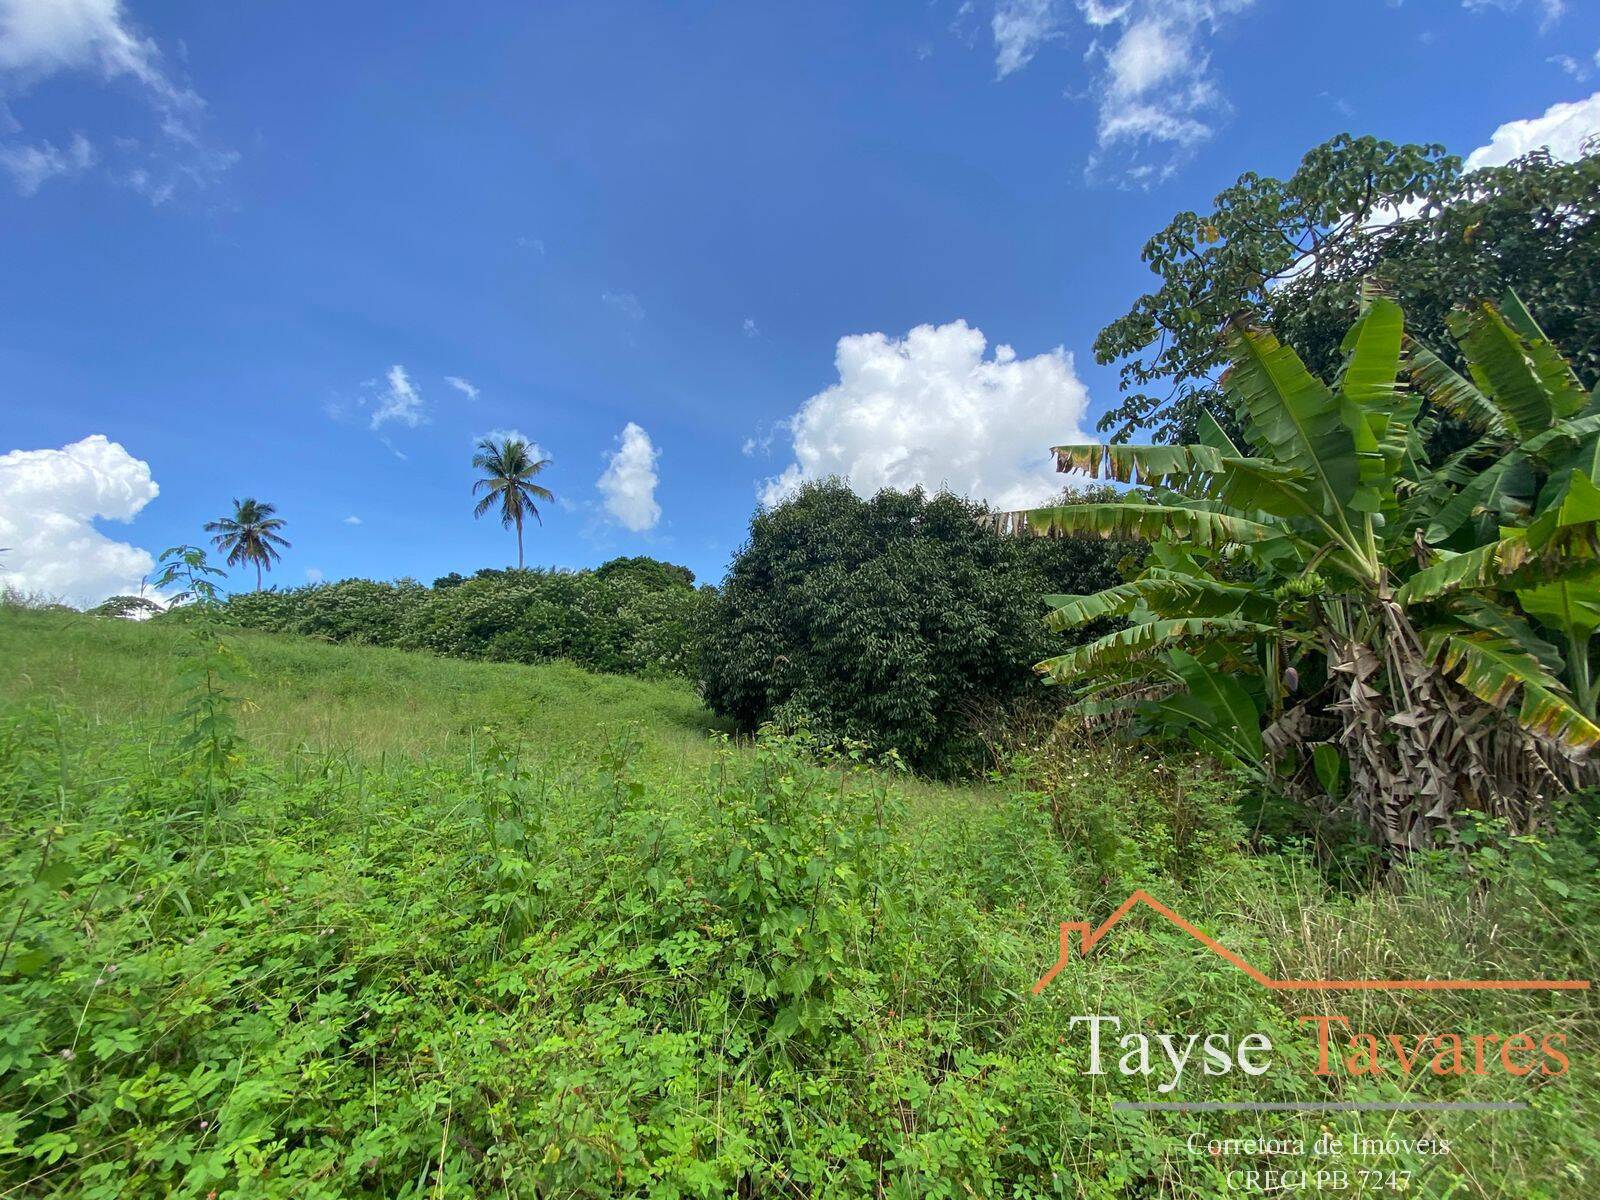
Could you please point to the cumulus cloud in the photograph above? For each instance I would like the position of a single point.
(398, 400)
(1020, 28)
(751, 329)
(31, 166)
(931, 409)
(352, 520)
(463, 386)
(628, 484)
(1563, 128)
(49, 501)
(42, 38)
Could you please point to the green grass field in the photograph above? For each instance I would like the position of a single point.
(464, 929)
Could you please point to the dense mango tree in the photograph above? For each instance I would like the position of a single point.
(1332, 612)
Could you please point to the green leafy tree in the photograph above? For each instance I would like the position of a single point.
(650, 572)
(1332, 611)
(250, 535)
(1296, 251)
(508, 483)
(901, 622)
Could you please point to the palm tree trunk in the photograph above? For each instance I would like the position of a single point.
(519, 541)
(258, 574)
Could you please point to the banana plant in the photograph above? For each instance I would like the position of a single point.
(1380, 616)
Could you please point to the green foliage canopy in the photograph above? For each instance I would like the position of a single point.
(638, 618)
(1296, 250)
(893, 621)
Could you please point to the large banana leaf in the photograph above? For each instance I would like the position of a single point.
(1558, 377)
(1571, 606)
(1165, 593)
(1219, 713)
(1131, 520)
(1501, 366)
(1369, 402)
(1497, 671)
(1143, 640)
(1508, 564)
(1450, 393)
(1503, 491)
(1294, 418)
(1261, 485)
(1136, 464)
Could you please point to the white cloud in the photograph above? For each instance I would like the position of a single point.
(1578, 70)
(399, 400)
(625, 303)
(1020, 27)
(629, 481)
(463, 386)
(313, 575)
(1156, 97)
(538, 452)
(42, 38)
(30, 166)
(531, 243)
(1548, 11)
(751, 329)
(1564, 128)
(352, 520)
(49, 501)
(930, 410)
(1149, 52)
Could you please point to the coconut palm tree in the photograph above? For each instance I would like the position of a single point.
(509, 467)
(250, 535)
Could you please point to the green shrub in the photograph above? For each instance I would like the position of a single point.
(898, 621)
(351, 610)
(633, 616)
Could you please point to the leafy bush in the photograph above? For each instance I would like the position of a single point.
(896, 621)
(351, 610)
(630, 616)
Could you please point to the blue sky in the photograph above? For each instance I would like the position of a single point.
(685, 248)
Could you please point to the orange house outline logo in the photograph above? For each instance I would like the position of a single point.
(1091, 937)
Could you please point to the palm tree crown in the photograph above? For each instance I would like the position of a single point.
(509, 468)
(250, 535)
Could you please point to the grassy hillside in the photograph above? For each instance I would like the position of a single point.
(316, 696)
(453, 929)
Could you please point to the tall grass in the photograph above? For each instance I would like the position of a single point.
(526, 932)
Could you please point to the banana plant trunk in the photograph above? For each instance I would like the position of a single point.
(1421, 752)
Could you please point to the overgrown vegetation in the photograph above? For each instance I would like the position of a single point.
(630, 616)
(902, 622)
(1338, 616)
(562, 959)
